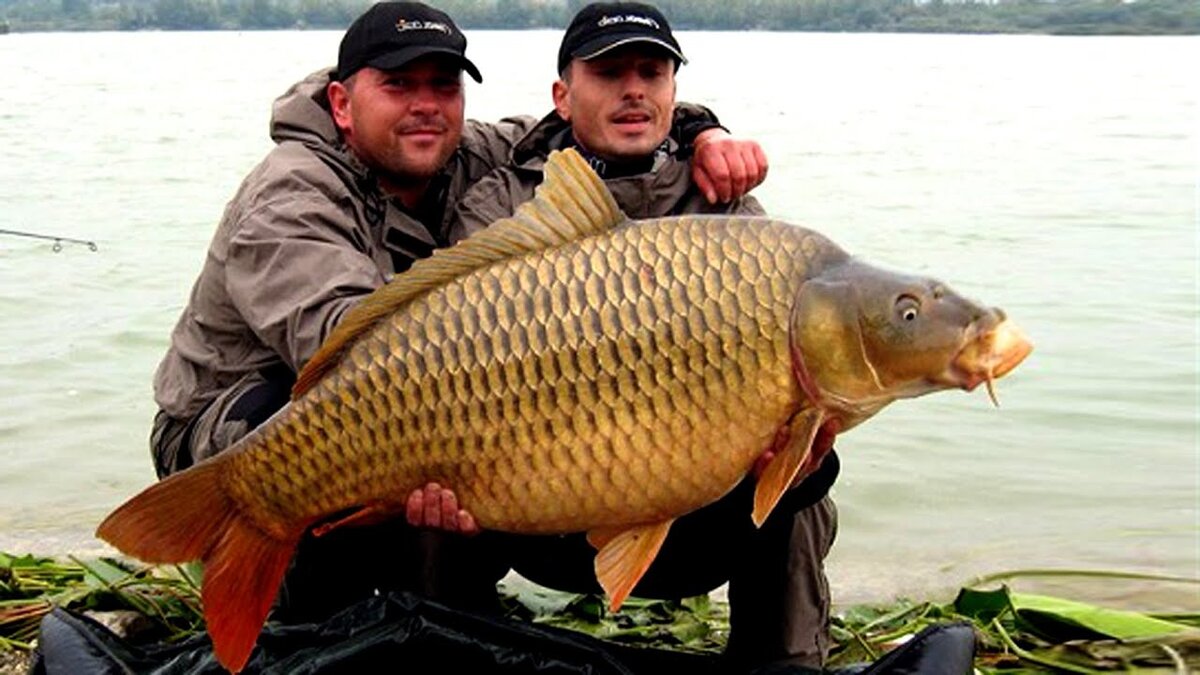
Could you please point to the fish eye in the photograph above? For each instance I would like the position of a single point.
(908, 308)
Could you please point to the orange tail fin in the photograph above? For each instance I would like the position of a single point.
(189, 516)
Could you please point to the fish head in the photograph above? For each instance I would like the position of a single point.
(863, 337)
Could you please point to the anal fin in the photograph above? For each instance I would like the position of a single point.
(624, 557)
(789, 458)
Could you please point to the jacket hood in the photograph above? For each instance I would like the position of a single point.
(534, 147)
(302, 115)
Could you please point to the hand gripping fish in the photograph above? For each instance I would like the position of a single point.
(566, 370)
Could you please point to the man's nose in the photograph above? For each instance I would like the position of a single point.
(424, 100)
(633, 86)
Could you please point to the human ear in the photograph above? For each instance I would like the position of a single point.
(562, 105)
(339, 105)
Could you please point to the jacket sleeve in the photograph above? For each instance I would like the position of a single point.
(295, 265)
(689, 121)
(747, 206)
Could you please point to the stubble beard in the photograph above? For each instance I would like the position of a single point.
(400, 168)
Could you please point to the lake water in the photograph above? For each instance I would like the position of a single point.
(1055, 177)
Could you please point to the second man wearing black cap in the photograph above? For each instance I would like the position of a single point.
(613, 102)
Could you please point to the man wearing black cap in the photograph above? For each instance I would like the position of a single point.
(367, 159)
(613, 103)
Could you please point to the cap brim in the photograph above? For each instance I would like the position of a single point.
(401, 57)
(591, 50)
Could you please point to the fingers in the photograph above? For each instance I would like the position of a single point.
(761, 463)
(759, 161)
(710, 166)
(414, 508)
(449, 512)
(467, 524)
(823, 443)
(738, 178)
(748, 167)
(725, 168)
(703, 183)
(437, 508)
(433, 506)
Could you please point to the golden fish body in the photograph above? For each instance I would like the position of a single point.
(625, 378)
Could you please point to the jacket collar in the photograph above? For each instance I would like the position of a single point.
(553, 133)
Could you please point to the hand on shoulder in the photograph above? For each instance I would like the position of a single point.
(726, 168)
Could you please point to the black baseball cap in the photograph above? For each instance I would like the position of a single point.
(602, 26)
(390, 34)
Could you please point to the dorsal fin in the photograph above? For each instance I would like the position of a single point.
(571, 203)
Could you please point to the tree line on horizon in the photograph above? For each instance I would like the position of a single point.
(1073, 17)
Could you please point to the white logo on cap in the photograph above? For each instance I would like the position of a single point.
(606, 21)
(405, 25)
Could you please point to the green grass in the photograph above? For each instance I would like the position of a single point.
(30, 586)
(1016, 632)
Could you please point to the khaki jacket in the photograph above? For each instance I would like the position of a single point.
(306, 236)
(665, 190)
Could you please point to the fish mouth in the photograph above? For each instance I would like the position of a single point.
(991, 354)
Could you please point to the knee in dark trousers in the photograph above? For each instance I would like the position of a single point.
(778, 594)
(779, 597)
(176, 444)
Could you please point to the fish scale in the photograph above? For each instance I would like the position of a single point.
(630, 372)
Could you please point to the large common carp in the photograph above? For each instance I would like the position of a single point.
(568, 370)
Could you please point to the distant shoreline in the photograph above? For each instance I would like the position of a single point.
(1063, 32)
(1025, 17)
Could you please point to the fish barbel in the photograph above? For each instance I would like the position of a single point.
(567, 370)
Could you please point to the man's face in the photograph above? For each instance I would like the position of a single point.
(403, 123)
(620, 103)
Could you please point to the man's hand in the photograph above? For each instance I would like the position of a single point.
(436, 507)
(725, 168)
(821, 446)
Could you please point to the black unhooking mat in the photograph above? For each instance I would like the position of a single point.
(402, 633)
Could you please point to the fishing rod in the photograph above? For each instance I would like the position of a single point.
(58, 241)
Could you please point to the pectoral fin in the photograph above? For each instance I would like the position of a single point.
(624, 557)
(789, 457)
(372, 513)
